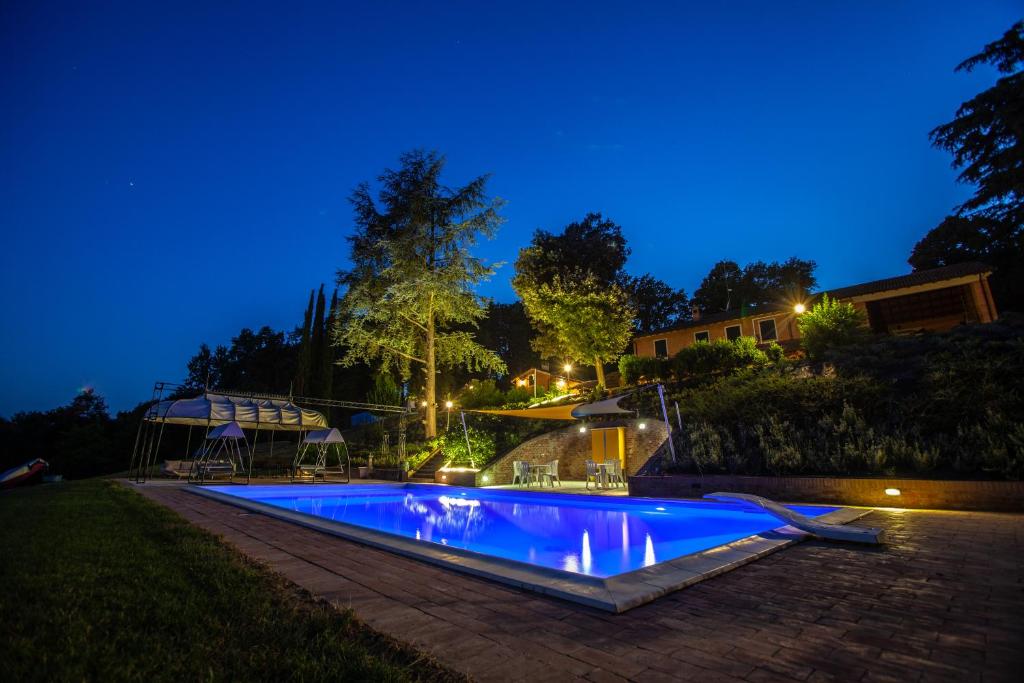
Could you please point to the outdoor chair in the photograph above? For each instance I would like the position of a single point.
(592, 474)
(615, 473)
(177, 468)
(520, 472)
(552, 474)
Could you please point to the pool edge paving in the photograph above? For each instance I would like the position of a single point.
(614, 594)
(940, 601)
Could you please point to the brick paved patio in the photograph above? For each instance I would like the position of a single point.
(944, 601)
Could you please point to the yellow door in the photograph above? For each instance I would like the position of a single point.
(608, 444)
(597, 445)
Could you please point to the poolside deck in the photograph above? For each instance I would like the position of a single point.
(941, 602)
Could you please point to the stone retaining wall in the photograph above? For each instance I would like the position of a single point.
(572, 448)
(1002, 496)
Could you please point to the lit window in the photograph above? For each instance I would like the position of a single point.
(767, 330)
(732, 333)
(661, 348)
(702, 336)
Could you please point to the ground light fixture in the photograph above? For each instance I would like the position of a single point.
(582, 430)
(892, 492)
(642, 425)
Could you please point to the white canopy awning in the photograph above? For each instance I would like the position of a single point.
(249, 413)
(331, 435)
(231, 430)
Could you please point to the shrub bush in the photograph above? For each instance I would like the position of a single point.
(481, 448)
(635, 369)
(946, 405)
(830, 324)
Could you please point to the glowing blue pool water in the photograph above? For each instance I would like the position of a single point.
(593, 535)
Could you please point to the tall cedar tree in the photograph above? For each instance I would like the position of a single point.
(410, 291)
(986, 139)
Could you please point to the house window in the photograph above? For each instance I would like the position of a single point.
(661, 348)
(703, 336)
(732, 333)
(767, 330)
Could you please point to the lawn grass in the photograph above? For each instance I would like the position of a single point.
(97, 583)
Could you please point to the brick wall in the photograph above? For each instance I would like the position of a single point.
(572, 448)
(1004, 496)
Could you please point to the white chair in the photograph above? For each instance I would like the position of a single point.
(520, 472)
(592, 474)
(551, 475)
(614, 473)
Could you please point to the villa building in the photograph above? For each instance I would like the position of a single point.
(936, 300)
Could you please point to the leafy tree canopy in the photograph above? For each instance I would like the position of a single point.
(986, 139)
(729, 287)
(586, 256)
(656, 304)
(830, 324)
(585, 320)
(409, 293)
(593, 247)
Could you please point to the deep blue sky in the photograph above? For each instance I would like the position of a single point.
(169, 175)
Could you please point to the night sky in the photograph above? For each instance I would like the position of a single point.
(171, 174)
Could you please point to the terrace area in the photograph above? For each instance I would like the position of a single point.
(941, 601)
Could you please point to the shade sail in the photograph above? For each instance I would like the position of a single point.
(331, 435)
(571, 411)
(249, 413)
(548, 413)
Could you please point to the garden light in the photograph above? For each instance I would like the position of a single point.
(892, 492)
(567, 367)
(799, 308)
(642, 425)
(560, 384)
(448, 405)
(582, 430)
(423, 404)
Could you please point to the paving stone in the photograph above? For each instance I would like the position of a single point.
(942, 601)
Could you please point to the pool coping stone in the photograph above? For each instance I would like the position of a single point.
(614, 594)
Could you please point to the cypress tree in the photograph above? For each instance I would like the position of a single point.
(328, 352)
(316, 348)
(302, 366)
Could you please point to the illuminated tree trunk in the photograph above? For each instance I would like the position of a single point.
(599, 365)
(431, 383)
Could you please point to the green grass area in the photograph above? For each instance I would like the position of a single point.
(97, 583)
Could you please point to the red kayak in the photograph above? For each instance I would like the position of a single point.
(23, 474)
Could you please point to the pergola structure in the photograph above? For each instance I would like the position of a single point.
(210, 410)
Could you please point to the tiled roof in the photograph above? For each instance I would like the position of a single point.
(915, 279)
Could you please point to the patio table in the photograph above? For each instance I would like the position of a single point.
(536, 472)
(602, 473)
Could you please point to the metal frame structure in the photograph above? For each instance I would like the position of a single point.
(302, 472)
(149, 435)
(221, 448)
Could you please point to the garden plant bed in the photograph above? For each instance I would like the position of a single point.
(994, 496)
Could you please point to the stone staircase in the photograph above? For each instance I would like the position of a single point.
(425, 473)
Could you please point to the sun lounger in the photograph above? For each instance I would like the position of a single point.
(177, 468)
(832, 532)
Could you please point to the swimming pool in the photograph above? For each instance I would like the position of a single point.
(588, 541)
